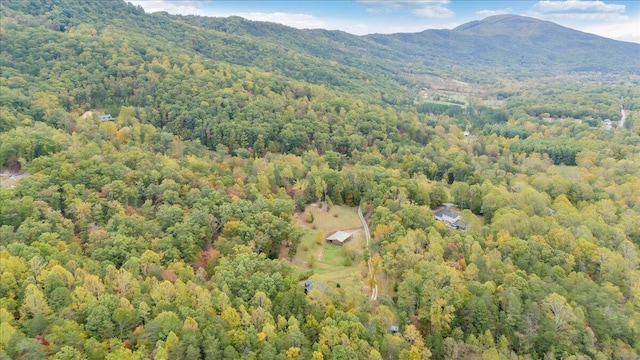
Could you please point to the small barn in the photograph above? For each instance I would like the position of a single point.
(339, 237)
(106, 117)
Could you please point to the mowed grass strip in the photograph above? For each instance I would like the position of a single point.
(333, 255)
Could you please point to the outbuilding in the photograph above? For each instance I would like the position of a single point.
(339, 237)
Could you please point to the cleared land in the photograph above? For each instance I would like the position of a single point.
(333, 265)
(9, 181)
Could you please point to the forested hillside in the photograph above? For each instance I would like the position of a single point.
(173, 230)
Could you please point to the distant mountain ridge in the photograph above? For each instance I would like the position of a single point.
(551, 45)
(521, 46)
(499, 46)
(507, 45)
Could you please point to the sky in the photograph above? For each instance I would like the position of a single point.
(618, 20)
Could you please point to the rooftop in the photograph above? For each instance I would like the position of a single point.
(446, 213)
(340, 236)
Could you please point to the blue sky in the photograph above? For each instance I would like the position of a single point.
(614, 19)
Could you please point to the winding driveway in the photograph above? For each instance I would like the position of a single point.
(367, 234)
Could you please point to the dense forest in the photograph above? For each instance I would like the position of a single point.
(185, 225)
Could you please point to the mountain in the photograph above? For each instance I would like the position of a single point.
(517, 45)
(534, 42)
(504, 45)
(498, 46)
(110, 54)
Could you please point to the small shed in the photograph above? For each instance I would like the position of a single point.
(106, 117)
(307, 286)
(394, 329)
(339, 237)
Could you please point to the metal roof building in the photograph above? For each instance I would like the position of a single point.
(339, 237)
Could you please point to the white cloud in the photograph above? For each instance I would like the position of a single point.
(596, 17)
(186, 7)
(172, 7)
(422, 8)
(577, 7)
(486, 13)
(300, 21)
(411, 28)
(578, 10)
(625, 30)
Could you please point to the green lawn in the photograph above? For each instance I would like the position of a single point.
(337, 218)
(329, 262)
(333, 255)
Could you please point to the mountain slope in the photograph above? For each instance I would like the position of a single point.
(504, 45)
(550, 44)
(517, 45)
(188, 36)
(499, 46)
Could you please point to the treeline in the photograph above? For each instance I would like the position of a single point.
(476, 116)
(506, 131)
(149, 243)
(438, 108)
(560, 150)
(584, 103)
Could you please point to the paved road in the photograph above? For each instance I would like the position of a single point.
(367, 234)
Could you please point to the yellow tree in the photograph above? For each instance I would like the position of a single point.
(34, 303)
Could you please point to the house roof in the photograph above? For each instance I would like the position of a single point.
(446, 213)
(340, 236)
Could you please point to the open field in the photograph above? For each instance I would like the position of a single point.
(333, 265)
(337, 218)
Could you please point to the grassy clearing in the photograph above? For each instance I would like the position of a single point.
(329, 262)
(385, 285)
(337, 218)
(334, 255)
(447, 102)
